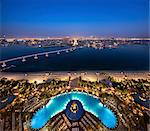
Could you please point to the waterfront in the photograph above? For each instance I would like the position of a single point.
(40, 77)
(74, 65)
(105, 78)
(123, 58)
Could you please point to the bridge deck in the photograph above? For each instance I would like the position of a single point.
(36, 54)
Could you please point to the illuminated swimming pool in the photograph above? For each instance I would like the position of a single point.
(59, 103)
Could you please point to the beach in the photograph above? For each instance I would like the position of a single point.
(90, 75)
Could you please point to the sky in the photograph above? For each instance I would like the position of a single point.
(54, 18)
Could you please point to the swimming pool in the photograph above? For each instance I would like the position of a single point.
(58, 104)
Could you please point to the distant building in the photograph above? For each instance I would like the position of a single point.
(75, 42)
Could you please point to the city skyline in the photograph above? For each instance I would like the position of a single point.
(75, 18)
(74, 65)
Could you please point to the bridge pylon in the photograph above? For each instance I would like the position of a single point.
(46, 54)
(4, 64)
(23, 59)
(35, 57)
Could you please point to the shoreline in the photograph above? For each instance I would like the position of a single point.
(87, 75)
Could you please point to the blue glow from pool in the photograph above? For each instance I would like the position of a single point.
(58, 104)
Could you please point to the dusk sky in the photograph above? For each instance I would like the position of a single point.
(42, 18)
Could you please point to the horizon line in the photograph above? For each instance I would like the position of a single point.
(71, 37)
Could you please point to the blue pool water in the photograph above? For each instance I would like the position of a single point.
(59, 103)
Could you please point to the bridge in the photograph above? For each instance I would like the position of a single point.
(35, 55)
